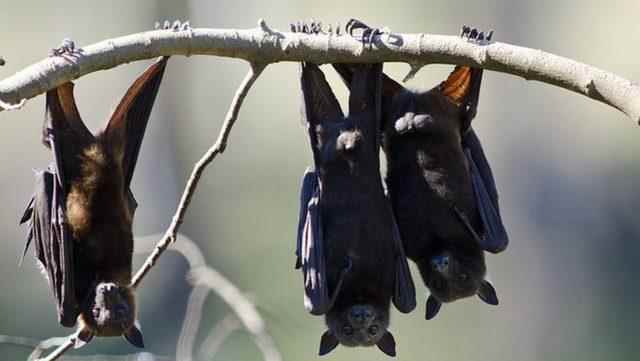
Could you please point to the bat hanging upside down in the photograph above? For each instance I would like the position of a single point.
(348, 246)
(80, 216)
(440, 183)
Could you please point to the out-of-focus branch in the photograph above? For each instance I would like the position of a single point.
(198, 169)
(266, 45)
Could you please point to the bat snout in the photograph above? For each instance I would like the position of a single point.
(440, 263)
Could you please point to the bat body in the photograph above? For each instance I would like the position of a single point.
(80, 217)
(348, 243)
(440, 183)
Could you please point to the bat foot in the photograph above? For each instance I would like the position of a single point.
(310, 27)
(176, 26)
(363, 32)
(67, 47)
(474, 35)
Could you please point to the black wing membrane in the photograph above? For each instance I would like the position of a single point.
(404, 296)
(66, 135)
(53, 243)
(310, 248)
(495, 238)
(463, 88)
(129, 120)
(319, 106)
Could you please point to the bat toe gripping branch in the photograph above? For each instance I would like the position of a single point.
(67, 47)
(476, 36)
(366, 32)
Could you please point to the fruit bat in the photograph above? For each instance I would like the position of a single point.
(348, 245)
(80, 216)
(440, 183)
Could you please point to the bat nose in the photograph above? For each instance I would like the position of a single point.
(440, 263)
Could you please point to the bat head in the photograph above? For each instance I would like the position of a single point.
(358, 325)
(454, 275)
(111, 311)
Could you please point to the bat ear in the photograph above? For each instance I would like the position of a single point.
(387, 344)
(433, 306)
(84, 337)
(134, 336)
(462, 88)
(487, 293)
(328, 342)
(127, 125)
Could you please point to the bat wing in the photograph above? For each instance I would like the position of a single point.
(495, 238)
(404, 297)
(462, 87)
(128, 123)
(65, 133)
(310, 248)
(53, 243)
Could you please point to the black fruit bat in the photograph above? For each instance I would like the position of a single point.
(80, 217)
(440, 183)
(348, 245)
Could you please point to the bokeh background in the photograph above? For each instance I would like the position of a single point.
(566, 168)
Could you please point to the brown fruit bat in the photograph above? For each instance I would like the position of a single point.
(80, 216)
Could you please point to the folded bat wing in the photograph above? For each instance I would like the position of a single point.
(404, 296)
(310, 247)
(66, 135)
(495, 238)
(462, 87)
(53, 243)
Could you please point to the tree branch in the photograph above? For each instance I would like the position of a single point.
(198, 169)
(265, 45)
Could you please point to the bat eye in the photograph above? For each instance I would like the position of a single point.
(347, 330)
(373, 330)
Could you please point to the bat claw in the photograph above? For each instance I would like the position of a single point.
(474, 35)
(367, 33)
(176, 26)
(67, 46)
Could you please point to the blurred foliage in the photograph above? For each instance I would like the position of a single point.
(566, 168)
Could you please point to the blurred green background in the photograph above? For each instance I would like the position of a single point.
(566, 168)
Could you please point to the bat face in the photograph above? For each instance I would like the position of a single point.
(450, 276)
(358, 325)
(112, 310)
